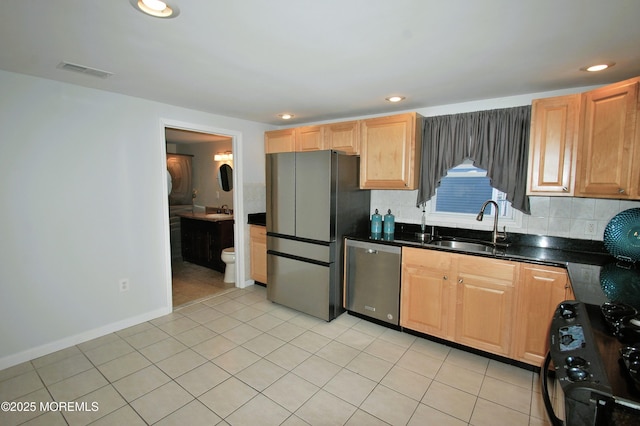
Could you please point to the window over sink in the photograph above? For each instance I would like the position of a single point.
(461, 194)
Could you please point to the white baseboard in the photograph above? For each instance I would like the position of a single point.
(48, 348)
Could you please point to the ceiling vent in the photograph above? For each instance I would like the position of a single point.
(84, 70)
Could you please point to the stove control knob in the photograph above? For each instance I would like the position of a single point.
(577, 374)
(576, 362)
(567, 311)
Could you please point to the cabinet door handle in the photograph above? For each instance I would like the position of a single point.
(445, 278)
(621, 190)
(460, 281)
(565, 189)
(372, 251)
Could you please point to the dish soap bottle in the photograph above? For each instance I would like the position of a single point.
(376, 225)
(389, 225)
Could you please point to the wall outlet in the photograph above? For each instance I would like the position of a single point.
(123, 284)
(590, 228)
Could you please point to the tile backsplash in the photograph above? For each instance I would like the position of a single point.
(568, 217)
(573, 217)
(553, 216)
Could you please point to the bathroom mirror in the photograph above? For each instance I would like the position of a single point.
(225, 177)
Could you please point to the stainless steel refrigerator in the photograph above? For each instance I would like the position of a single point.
(313, 200)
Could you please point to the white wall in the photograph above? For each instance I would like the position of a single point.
(84, 204)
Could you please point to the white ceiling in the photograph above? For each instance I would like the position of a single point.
(323, 59)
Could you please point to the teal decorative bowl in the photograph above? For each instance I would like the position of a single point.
(622, 235)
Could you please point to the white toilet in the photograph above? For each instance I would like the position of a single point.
(228, 256)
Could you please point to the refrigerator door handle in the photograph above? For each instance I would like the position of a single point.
(298, 258)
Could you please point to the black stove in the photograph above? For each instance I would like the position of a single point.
(595, 347)
(618, 344)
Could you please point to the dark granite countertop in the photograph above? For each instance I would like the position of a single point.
(587, 261)
(257, 219)
(521, 247)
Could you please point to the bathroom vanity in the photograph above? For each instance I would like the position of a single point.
(204, 236)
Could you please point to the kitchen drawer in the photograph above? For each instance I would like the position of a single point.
(426, 258)
(499, 270)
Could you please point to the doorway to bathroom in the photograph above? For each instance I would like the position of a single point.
(199, 174)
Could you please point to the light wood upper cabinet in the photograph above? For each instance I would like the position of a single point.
(553, 145)
(343, 136)
(280, 141)
(425, 292)
(589, 149)
(296, 139)
(608, 140)
(309, 138)
(390, 152)
(258, 252)
(540, 290)
(484, 303)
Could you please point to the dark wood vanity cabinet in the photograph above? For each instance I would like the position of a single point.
(203, 241)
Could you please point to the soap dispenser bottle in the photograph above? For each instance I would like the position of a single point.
(376, 225)
(389, 225)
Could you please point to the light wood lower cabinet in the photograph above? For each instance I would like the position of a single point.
(426, 292)
(540, 290)
(258, 252)
(497, 306)
(484, 303)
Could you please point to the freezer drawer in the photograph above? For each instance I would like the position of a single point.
(373, 280)
(300, 284)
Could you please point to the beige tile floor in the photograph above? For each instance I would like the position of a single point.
(238, 359)
(191, 282)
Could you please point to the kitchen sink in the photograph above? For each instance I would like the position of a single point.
(464, 245)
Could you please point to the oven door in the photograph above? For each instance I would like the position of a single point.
(581, 404)
(552, 394)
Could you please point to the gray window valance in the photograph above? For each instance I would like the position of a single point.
(496, 140)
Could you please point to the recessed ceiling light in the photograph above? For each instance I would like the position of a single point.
(156, 8)
(286, 116)
(395, 98)
(598, 67)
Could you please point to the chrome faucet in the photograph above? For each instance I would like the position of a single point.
(496, 235)
(225, 209)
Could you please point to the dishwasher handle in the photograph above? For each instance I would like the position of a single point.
(373, 248)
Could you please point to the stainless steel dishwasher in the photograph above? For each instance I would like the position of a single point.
(373, 280)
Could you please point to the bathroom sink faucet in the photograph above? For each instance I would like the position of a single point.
(225, 209)
(496, 235)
